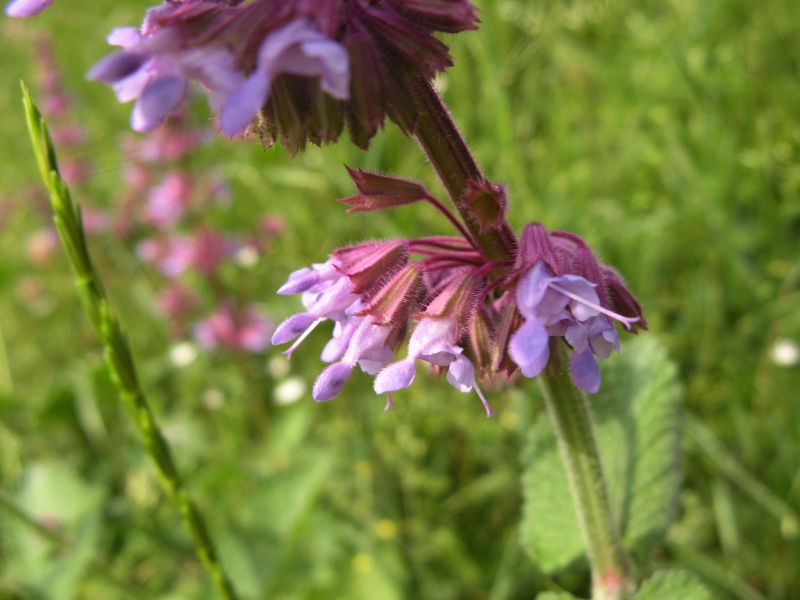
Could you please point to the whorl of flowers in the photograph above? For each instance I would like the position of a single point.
(295, 70)
(475, 319)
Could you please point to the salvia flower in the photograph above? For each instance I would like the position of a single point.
(154, 70)
(302, 68)
(366, 347)
(576, 305)
(470, 318)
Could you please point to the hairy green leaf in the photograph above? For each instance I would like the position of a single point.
(672, 584)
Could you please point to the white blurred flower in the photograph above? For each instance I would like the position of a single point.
(785, 352)
(183, 354)
(290, 391)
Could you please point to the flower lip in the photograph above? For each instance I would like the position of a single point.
(117, 66)
(23, 9)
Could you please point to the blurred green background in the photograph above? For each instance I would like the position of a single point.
(665, 133)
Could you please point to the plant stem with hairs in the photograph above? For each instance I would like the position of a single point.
(118, 355)
(568, 408)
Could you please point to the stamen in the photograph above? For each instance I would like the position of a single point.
(303, 336)
(489, 411)
(389, 403)
(626, 321)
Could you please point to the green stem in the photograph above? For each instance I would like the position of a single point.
(117, 350)
(449, 154)
(569, 410)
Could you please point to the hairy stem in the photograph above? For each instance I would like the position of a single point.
(449, 154)
(569, 410)
(117, 350)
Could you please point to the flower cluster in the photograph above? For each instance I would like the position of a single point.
(482, 304)
(474, 318)
(297, 70)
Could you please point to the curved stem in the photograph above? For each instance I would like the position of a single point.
(441, 208)
(569, 410)
(118, 355)
(449, 154)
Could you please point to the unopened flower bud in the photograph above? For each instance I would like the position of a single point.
(376, 192)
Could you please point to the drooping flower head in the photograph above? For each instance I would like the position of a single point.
(469, 317)
(303, 69)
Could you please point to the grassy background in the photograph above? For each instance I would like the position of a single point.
(665, 133)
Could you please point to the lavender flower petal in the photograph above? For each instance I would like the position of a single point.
(585, 372)
(299, 281)
(292, 327)
(529, 348)
(395, 377)
(125, 37)
(461, 374)
(296, 48)
(337, 345)
(373, 360)
(331, 381)
(241, 106)
(22, 9)
(158, 99)
(116, 67)
(531, 289)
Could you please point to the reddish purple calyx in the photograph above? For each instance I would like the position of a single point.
(487, 204)
(377, 192)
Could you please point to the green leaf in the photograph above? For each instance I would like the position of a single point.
(636, 417)
(672, 584)
(55, 497)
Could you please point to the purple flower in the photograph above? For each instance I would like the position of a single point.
(155, 70)
(22, 9)
(327, 294)
(433, 340)
(366, 347)
(298, 49)
(562, 306)
(344, 63)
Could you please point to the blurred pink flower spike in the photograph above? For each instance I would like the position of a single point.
(167, 202)
(23, 9)
(203, 251)
(246, 331)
